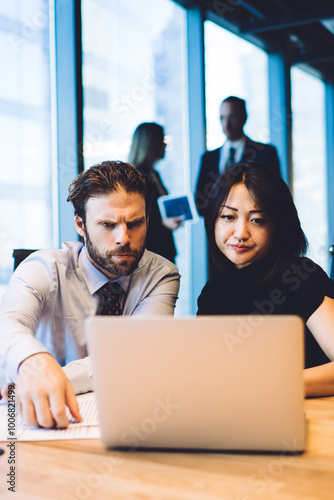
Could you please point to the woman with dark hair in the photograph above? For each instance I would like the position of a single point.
(147, 148)
(257, 242)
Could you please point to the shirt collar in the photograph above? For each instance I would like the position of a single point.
(94, 278)
(235, 144)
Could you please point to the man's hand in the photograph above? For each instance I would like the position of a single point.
(43, 392)
(4, 392)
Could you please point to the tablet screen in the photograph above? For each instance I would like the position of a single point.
(178, 206)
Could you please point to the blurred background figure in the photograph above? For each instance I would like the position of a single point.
(147, 148)
(237, 148)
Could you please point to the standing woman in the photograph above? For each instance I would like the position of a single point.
(256, 240)
(147, 148)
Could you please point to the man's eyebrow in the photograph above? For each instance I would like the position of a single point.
(137, 219)
(114, 220)
(251, 211)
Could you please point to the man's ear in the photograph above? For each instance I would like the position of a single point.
(147, 220)
(79, 226)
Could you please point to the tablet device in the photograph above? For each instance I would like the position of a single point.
(178, 206)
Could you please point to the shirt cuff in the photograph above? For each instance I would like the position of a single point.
(18, 353)
(79, 373)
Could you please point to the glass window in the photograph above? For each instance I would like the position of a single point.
(236, 67)
(309, 161)
(134, 71)
(25, 154)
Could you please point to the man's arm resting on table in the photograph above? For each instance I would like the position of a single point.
(43, 391)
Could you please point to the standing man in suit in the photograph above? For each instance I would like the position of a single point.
(237, 147)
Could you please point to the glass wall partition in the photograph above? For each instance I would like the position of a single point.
(309, 161)
(236, 67)
(25, 130)
(134, 71)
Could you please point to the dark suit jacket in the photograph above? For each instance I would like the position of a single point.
(209, 169)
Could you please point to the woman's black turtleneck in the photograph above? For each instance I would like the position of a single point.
(298, 288)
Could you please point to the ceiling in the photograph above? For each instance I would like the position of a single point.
(302, 29)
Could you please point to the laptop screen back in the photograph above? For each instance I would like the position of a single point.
(229, 382)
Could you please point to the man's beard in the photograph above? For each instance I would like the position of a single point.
(105, 261)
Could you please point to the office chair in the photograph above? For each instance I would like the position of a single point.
(19, 254)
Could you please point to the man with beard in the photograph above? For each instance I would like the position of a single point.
(42, 342)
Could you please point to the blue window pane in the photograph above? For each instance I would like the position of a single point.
(25, 122)
(309, 161)
(134, 71)
(236, 67)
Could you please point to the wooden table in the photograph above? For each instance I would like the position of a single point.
(83, 469)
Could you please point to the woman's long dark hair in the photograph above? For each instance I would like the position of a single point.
(272, 196)
(146, 145)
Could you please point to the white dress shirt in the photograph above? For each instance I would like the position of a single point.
(239, 147)
(53, 291)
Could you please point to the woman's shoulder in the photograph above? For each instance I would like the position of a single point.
(302, 273)
(300, 267)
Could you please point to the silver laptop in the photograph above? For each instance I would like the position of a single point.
(219, 383)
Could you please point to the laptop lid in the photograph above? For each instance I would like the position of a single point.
(220, 382)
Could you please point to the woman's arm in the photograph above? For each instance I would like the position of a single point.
(319, 380)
